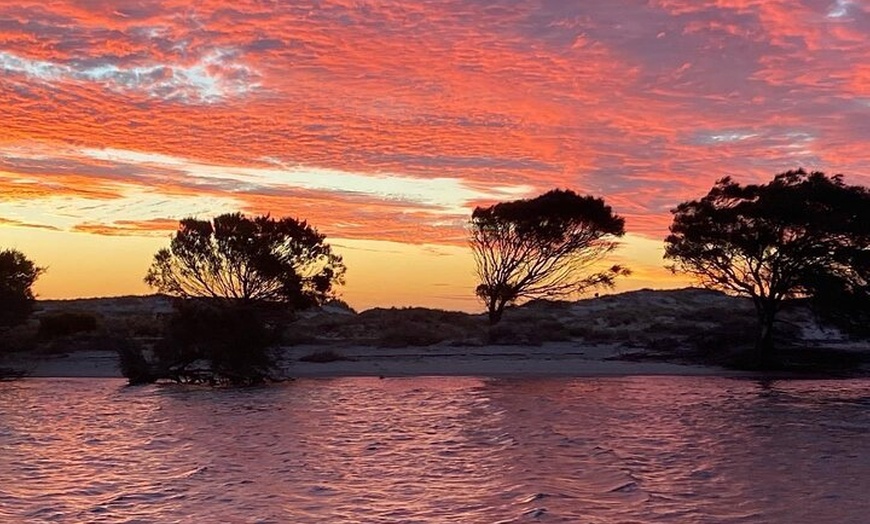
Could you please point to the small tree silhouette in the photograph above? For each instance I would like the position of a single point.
(258, 259)
(542, 248)
(802, 234)
(17, 276)
(233, 276)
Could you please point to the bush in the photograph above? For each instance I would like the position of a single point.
(411, 334)
(324, 356)
(295, 335)
(18, 339)
(66, 323)
(210, 342)
(508, 334)
(134, 366)
(595, 335)
(85, 342)
(144, 326)
(528, 330)
(551, 330)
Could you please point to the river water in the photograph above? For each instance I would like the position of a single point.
(439, 450)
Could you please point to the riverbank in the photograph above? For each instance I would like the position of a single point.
(552, 359)
(661, 332)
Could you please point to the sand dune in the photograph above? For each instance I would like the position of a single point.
(687, 331)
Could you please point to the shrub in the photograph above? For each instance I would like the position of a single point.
(98, 341)
(134, 366)
(551, 330)
(211, 342)
(144, 326)
(19, 339)
(664, 344)
(65, 323)
(411, 334)
(513, 335)
(323, 356)
(295, 335)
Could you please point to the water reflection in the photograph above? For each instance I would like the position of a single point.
(644, 449)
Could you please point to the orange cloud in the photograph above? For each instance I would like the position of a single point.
(141, 113)
(9, 222)
(155, 227)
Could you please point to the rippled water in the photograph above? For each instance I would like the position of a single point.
(468, 450)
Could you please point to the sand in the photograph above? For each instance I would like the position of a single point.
(556, 359)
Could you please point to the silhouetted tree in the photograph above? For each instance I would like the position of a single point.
(843, 299)
(233, 277)
(216, 343)
(542, 248)
(258, 259)
(17, 276)
(802, 234)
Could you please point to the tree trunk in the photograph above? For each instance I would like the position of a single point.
(496, 309)
(764, 345)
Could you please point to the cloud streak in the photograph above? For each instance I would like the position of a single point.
(390, 120)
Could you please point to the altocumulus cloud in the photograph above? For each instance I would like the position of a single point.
(214, 77)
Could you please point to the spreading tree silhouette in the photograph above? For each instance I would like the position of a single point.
(234, 278)
(543, 247)
(799, 235)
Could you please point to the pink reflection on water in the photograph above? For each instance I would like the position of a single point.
(642, 449)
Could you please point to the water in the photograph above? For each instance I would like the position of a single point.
(440, 450)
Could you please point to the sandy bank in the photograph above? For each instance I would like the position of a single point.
(557, 359)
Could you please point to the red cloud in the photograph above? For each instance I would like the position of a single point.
(645, 104)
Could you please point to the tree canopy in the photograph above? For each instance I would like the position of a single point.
(799, 235)
(17, 276)
(544, 247)
(257, 259)
(245, 272)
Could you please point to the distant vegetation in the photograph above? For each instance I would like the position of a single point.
(237, 287)
(543, 247)
(65, 323)
(800, 235)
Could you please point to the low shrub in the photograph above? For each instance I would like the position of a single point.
(295, 335)
(411, 334)
(617, 318)
(663, 345)
(233, 340)
(134, 366)
(551, 330)
(528, 330)
(212, 343)
(19, 339)
(324, 356)
(83, 342)
(144, 326)
(507, 334)
(66, 323)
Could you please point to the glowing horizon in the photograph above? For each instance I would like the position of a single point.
(384, 123)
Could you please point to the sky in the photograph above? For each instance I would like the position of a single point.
(384, 123)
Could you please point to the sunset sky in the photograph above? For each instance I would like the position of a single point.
(385, 122)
